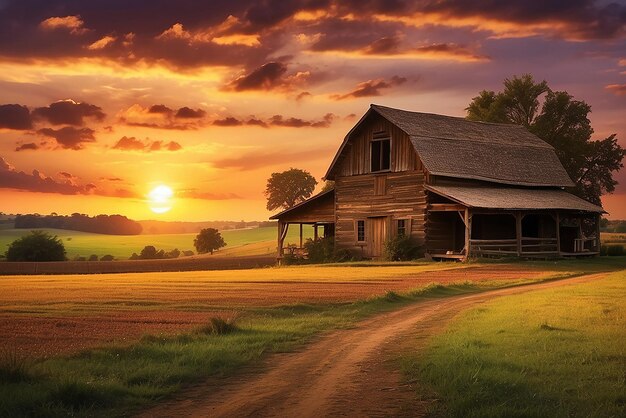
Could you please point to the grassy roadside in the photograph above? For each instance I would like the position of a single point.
(114, 380)
(557, 353)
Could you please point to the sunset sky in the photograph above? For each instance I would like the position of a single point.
(101, 101)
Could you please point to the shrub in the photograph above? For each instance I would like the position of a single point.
(188, 253)
(93, 257)
(13, 368)
(401, 248)
(36, 246)
(107, 257)
(175, 253)
(612, 250)
(321, 250)
(149, 252)
(218, 326)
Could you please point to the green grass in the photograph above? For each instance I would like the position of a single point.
(549, 353)
(122, 246)
(114, 380)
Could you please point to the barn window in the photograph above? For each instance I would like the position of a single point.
(381, 154)
(360, 231)
(402, 227)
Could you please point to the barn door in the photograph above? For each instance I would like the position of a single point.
(377, 236)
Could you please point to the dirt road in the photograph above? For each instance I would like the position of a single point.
(344, 373)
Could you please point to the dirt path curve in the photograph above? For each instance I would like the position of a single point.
(344, 373)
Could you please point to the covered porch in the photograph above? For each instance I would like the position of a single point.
(318, 211)
(487, 221)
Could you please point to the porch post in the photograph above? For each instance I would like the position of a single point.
(518, 232)
(598, 242)
(315, 233)
(468, 232)
(300, 234)
(558, 232)
(281, 238)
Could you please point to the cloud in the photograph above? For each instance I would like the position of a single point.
(260, 159)
(102, 43)
(195, 194)
(73, 24)
(162, 117)
(617, 89)
(279, 120)
(30, 146)
(131, 143)
(69, 137)
(189, 113)
(14, 116)
(36, 181)
(269, 76)
(69, 112)
(370, 88)
(228, 121)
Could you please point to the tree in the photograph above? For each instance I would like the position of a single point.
(562, 122)
(286, 189)
(208, 240)
(36, 246)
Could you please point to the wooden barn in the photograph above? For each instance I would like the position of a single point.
(459, 188)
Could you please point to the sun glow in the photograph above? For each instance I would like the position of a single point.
(159, 199)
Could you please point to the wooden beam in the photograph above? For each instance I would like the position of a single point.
(446, 207)
(301, 235)
(315, 233)
(468, 232)
(598, 242)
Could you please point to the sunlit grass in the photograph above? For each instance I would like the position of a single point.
(549, 353)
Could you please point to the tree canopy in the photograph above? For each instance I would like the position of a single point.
(285, 190)
(36, 246)
(563, 122)
(208, 240)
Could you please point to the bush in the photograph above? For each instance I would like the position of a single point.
(218, 326)
(321, 250)
(36, 246)
(401, 248)
(612, 250)
(175, 253)
(188, 253)
(107, 257)
(79, 258)
(93, 257)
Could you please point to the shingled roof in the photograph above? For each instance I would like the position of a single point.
(459, 148)
(513, 198)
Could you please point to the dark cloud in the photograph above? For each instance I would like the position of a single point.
(388, 45)
(131, 143)
(30, 146)
(189, 113)
(160, 109)
(14, 116)
(265, 77)
(36, 181)
(370, 88)
(228, 121)
(69, 137)
(279, 120)
(69, 112)
(256, 122)
(303, 95)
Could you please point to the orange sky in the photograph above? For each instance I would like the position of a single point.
(105, 102)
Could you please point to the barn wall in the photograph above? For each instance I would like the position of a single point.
(355, 159)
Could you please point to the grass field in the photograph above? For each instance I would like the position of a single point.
(77, 345)
(256, 241)
(551, 353)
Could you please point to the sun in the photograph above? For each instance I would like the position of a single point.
(159, 199)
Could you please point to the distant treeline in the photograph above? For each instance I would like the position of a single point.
(101, 224)
(185, 227)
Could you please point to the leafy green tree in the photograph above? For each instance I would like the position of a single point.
(208, 240)
(36, 246)
(563, 122)
(285, 190)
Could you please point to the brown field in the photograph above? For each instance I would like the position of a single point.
(44, 315)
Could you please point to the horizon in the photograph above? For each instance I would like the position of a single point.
(207, 101)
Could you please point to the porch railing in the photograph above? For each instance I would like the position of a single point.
(528, 246)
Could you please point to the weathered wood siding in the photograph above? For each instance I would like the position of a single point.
(355, 159)
(396, 194)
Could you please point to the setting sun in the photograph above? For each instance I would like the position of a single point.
(159, 199)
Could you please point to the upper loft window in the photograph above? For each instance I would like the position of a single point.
(380, 154)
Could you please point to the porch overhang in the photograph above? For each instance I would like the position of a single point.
(318, 209)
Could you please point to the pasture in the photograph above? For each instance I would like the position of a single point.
(556, 353)
(254, 241)
(102, 344)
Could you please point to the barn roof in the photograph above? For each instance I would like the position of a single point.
(513, 198)
(459, 148)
